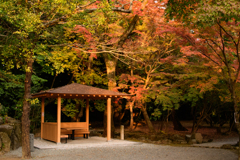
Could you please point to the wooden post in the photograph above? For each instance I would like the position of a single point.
(131, 116)
(122, 132)
(109, 119)
(58, 120)
(42, 117)
(87, 114)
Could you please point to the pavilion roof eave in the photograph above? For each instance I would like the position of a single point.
(78, 96)
(78, 91)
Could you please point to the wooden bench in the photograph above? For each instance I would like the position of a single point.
(64, 136)
(84, 133)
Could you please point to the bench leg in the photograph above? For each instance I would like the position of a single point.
(87, 136)
(66, 140)
(83, 135)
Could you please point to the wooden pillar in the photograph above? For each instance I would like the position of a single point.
(42, 117)
(109, 119)
(58, 120)
(87, 114)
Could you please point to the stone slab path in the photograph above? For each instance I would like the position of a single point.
(218, 143)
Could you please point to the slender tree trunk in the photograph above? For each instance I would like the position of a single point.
(26, 153)
(131, 116)
(236, 114)
(144, 108)
(194, 119)
(111, 63)
(147, 119)
(176, 123)
(131, 108)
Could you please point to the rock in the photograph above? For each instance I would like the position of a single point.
(164, 141)
(205, 141)
(153, 138)
(7, 129)
(6, 142)
(188, 138)
(227, 146)
(194, 141)
(210, 140)
(159, 142)
(142, 138)
(175, 137)
(11, 120)
(198, 137)
(169, 141)
(0, 144)
(13, 130)
(1, 120)
(183, 142)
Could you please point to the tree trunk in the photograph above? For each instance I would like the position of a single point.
(176, 123)
(111, 63)
(146, 117)
(26, 153)
(236, 114)
(194, 120)
(131, 117)
(131, 108)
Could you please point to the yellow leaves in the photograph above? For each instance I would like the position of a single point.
(34, 101)
(152, 48)
(115, 29)
(28, 69)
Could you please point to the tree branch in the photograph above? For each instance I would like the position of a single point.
(53, 22)
(129, 30)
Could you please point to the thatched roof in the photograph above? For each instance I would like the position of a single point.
(79, 91)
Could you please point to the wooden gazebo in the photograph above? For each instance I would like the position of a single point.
(52, 130)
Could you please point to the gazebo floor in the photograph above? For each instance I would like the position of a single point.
(81, 143)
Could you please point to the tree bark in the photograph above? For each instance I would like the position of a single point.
(146, 117)
(131, 117)
(144, 108)
(111, 63)
(131, 108)
(26, 153)
(176, 123)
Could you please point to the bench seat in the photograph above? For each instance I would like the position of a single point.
(84, 133)
(64, 136)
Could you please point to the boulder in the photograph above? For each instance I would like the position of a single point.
(188, 138)
(0, 144)
(16, 138)
(175, 137)
(11, 120)
(205, 141)
(198, 137)
(13, 130)
(6, 142)
(193, 141)
(1, 120)
(7, 129)
(227, 146)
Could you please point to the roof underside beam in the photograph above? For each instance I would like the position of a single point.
(76, 96)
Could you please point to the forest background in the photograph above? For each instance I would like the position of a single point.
(167, 54)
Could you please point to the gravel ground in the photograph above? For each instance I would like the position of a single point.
(140, 151)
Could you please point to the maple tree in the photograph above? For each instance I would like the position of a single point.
(212, 32)
(109, 34)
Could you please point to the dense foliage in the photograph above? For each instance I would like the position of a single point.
(167, 54)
